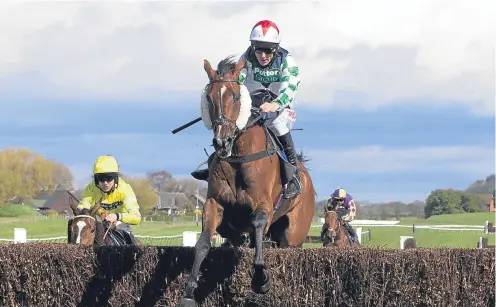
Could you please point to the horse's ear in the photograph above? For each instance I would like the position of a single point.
(73, 206)
(240, 65)
(208, 68)
(95, 208)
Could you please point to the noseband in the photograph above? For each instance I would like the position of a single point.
(329, 229)
(83, 216)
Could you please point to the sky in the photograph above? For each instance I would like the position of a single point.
(396, 98)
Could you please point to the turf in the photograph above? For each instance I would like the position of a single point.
(40, 227)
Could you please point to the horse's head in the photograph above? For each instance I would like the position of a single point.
(226, 105)
(332, 224)
(82, 227)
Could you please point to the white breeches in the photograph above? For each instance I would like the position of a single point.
(283, 123)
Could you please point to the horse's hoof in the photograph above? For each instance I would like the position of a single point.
(260, 282)
(186, 302)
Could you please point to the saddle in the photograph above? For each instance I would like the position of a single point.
(259, 97)
(119, 237)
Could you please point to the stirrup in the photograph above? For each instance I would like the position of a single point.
(288, 194)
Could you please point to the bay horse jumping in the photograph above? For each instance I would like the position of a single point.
(333, 232)
(244, 184)
(87, 228)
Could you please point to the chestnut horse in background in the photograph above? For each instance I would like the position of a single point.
(333, 232)
(244, 184)
(87, 228)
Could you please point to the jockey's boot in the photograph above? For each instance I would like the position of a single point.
(352, 233)
(202, 174)
(294, 187)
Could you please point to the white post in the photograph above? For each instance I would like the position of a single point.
(480, 242)
(20, 235)
(403, 239)
(189, 238)
(486, 227)
(358, 231)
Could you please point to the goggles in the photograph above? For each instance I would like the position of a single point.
(104, 177)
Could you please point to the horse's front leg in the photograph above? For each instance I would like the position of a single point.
(260, 281)
(212, 215)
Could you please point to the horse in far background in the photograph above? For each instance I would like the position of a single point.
(333, 232)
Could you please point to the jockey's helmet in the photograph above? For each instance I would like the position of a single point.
(339, 194)
(105, 168)
(265, 35)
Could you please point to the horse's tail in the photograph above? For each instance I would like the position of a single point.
(303, 159)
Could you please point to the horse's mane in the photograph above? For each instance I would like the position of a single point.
(69, 231)
(302, 157)
(226, 65)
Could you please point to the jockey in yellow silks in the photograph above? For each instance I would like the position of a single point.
(118, 200)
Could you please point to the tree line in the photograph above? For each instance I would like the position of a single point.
(24, 175)
(475, 198)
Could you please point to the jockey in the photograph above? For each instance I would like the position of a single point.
(118, 201)
(272, 68)
(344, 204)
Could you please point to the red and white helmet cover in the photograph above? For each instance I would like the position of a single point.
(265, 33)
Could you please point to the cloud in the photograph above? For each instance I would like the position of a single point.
(373, 53)
(391, 74)
(475, 161)
(135, 152)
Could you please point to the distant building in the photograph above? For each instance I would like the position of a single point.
(59, 201)
(171, 202)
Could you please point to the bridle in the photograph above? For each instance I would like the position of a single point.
(222, 118)
(83, 216)
(329, 229)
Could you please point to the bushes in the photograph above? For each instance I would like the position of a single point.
(69, 275)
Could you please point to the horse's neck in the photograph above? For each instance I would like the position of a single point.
(252, 141)
(99, 233)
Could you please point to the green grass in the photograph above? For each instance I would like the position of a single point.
(36, 227)
(161, 229)
(477, 218)
(40, 227)
(389, 237)
(11, 210)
